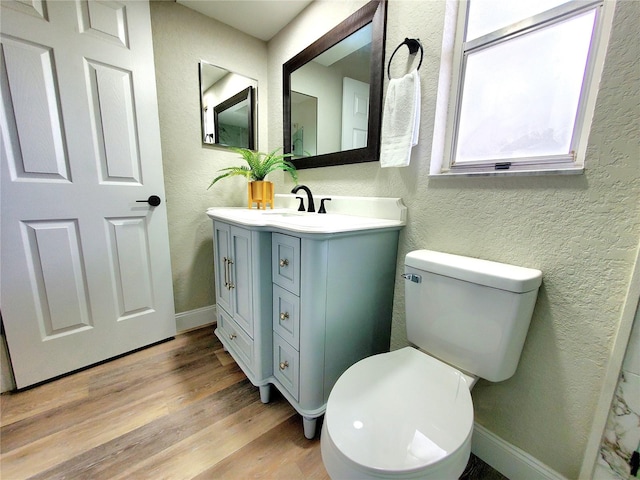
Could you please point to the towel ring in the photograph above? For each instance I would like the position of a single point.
(413, 44)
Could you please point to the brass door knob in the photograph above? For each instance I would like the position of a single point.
(284, 262)
(284, 316)
(232, 336)
(284, 365)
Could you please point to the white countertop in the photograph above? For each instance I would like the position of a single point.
(345, 214)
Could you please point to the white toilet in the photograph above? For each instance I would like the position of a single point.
(408, 414)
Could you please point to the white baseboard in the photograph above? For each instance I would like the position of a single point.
(508, 459)
(195, 318)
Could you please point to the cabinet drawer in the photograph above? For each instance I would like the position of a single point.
(286, 316)
(236, 340)
(286, 262)
(286, 365)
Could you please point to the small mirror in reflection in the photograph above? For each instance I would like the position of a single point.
(304, 125)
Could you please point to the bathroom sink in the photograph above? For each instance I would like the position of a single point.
(347, 214)
(284, 214)
(334, 222)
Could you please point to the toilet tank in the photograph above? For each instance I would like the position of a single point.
(473, 314)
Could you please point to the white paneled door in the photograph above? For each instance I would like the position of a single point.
(85, 270)
(355, 113)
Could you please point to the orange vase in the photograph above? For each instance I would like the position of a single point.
(260, 192)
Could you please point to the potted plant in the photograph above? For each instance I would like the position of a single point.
(259, 165)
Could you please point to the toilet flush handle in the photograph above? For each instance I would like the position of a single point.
(413, 277)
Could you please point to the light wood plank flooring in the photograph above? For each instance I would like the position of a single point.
(178, 410)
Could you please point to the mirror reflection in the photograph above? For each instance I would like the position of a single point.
(336, 83)
(332, 93)
(227, 102)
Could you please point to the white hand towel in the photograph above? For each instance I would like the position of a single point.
(400, 120)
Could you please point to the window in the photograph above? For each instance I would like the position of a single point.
(523, 85)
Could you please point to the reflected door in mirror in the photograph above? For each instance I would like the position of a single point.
(355, 113)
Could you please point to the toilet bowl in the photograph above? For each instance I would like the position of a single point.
(382, 423)
(407, 414)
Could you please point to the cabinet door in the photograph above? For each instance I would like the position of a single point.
(221, 255)
(241, 279)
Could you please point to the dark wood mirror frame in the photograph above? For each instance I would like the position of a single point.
(374, 12)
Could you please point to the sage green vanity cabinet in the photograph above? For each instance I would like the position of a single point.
(296, 309)
(242, 260)
(337, 313)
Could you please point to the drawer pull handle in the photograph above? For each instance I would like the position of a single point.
(229, 263)
(232, 336)
(284, 316)
(284, 262)
(284, 365)
(227, 273)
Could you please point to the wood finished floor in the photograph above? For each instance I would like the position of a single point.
(178, 410)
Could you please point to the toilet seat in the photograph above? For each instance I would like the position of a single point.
(400, 412)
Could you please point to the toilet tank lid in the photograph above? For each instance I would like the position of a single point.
(475, 270)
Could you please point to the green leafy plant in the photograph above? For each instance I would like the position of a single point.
(259, 165)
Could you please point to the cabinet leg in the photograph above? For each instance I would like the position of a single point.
(265, 393)
(309, 425)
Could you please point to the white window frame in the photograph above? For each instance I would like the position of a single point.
(452, 76)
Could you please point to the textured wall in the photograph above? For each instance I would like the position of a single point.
(181, 38)
(581, 231)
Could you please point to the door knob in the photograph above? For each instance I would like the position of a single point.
(153, 200)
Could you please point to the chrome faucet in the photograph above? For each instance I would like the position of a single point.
(310, 206)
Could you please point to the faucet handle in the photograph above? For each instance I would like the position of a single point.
(322, 209)
(301, 206)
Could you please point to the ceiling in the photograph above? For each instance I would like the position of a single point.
(259, 18)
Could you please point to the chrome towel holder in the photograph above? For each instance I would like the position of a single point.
(413, 44)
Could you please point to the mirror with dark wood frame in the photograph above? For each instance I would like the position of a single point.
(227, 102)
(324, 129)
